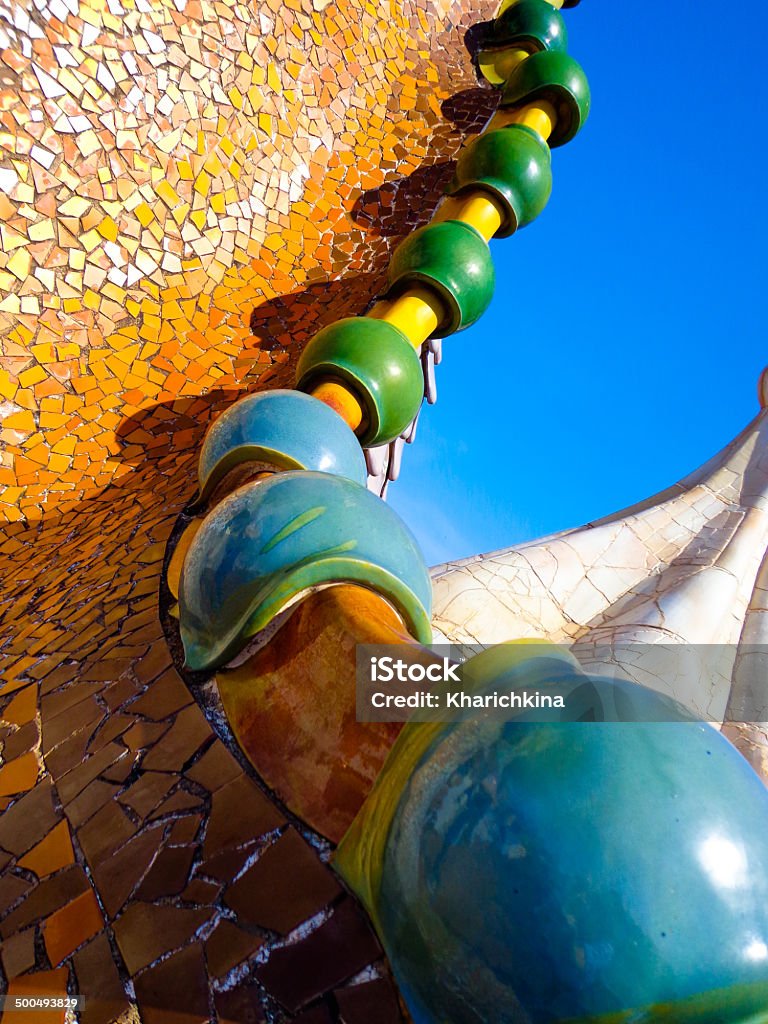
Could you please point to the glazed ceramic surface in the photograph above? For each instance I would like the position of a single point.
(557, 78)
(537, 872)
(270, 542)
(379, 364)
(454, 260)
(533, 25)
(513, 164)
(289, 429)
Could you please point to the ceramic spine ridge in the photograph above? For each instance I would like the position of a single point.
(441, 277)
(316, 521)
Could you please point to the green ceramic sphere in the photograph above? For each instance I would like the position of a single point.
(531, 25)
(453, 259)
(515, 165)
(555, 77)
(378, 363)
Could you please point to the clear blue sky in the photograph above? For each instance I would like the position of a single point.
(628, 329)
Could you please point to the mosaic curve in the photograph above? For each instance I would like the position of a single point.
(188, 192)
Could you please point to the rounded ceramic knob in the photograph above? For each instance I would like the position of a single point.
(548, 871)
(378, 363)
(515, 165)
(561, 81)
(453, 259)
(531, 25)
(267, 544)
(287, 429)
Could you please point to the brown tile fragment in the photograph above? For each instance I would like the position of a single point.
(108, 829)
(201, 891)
(184, 830)
(373, 1002)
(215, 768)
(228, 947)
(47, 897)
(286, 885)
(99, 981)
(19, 742)
(59, 676)
(92, 798)
(85, 715)
(67, 754)
(117, 876)
(12, 888)
(75, 780)
(54, 704)
(147, 930)
(335, 951)
(187, 734)
(147, 792)
(116, 695)
(51, 853)
(29, 819)
(176, 990)
(119, 771)
(113, 726)
(18, 953)
(157, 660)
(225, 865)
(240, 812)
(144, 734)
(71, 926)
(168, 875)
(181, 800)
(167, 695)
(240, 1005)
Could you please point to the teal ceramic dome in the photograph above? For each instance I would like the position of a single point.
(268, 543)
(610, 872)
(287, 429)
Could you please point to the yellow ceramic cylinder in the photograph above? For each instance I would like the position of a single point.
(479, 209)
(341, 400)
(497, 65)
(416, 313)
(540, 116)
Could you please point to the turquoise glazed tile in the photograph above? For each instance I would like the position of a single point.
(288, 429)
(268, 543)
(595, 871)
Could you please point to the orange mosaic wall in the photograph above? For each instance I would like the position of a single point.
(188, 191)
(169, 170)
